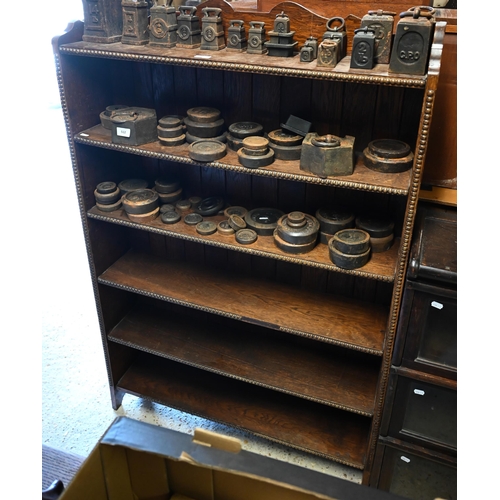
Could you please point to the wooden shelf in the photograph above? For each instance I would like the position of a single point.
(324, 374)
(326, 317)
(318, 429)
(362, 178)
(381, 266)
(247, 63)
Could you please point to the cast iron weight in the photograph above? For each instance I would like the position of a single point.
(363, 48)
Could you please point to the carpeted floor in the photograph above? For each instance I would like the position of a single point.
(58, 465)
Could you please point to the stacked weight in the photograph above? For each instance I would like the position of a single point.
(286, 145)
(171, 131)
(141, 205)
(331, 221)
(204, 123)
(296, 233)
(350, 248)
(239, 131)
(107, 196)
(255, 152)
(168, 189)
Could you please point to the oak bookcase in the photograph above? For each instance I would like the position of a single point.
(288, 347)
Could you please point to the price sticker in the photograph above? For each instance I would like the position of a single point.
(405, 459)
(419, 392)
(436, 304)
(123, 132)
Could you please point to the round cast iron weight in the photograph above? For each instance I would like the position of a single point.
(174, 141)
(205, 130)
(206, 227)
(375, 227)
(192, 219)
(252, 161)
(234, 143)
(170, 217)
(207, 150)
(254, 152)
(283, 138)
(389, 148)
(296, 219)
(147, 217)
(255, 143)
(167, 185)
(203, 114)
(345, 261)
(246, 236)
(333, 220)
(167, 207)
(193, 138)
(245, 129)
(388, 156)
(286, 153)
(110, 207)
(235, 210)
(170, 197)
(169, 133)
(108, 198)
(183, 205)
(210, 206)
(195, 201)
(292, 248)
(140, 201)
(263, 220)
(298, 235)
(106, 187)
(237, 222)
(351, 241)
(170, 121)
(132, 184)
(325, 237)
(380, 245)
(224, 228)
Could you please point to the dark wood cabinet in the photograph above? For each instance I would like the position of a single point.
(289, 347)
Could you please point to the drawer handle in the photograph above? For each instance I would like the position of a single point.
(419, 392)
(436, 304)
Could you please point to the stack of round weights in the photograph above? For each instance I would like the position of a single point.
(350, 248)
(286, 145)
(128, 185)
(204, 123)
(239, 130)
(171, 130)
(332, 220)
(141, 205)
(107, 196)
(169, 189)
(255, 152)
(380, 229)
(296, 233)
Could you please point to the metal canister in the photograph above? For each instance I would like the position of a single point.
(412, 42)
(363, 49)
(382, 22)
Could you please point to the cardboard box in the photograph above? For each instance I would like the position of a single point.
(139, 461)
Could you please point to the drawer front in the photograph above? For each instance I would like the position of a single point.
(414, 475)
(423, 413)
(428, 334)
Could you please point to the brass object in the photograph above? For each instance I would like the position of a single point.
(328, 54)
(256, 38)
(135, 22)
(170, 217)
(363, 49)
(207, 150)
(236, 222)
(205, 228)
(382, 23)
(327, 155)
(188, 31)
(102, 21)
(131, 184)
(246, 236)
(263, 220)
(335, 31)
(212, 32)
(236, 39)
(388, 156)
(255, 152)
(297, 228)
(140, 201)
(351, 241)
(224, 228)
(281, 43)
(133, 126)
(412, 42)
(105, 115)
(309, 51)
(193, 219)
(163, 24)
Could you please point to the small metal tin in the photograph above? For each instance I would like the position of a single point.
(133, 126)
(375, 227)
(351, 241)
(105, 116)
(109, 207)
(235, 210)
(167, 185)
(132, 184)
(299, 229)
(363, 49)
(263, 220)
(292, 247)
(170, 217)
(206, 227)
(236, 39)
(210, 206)
(382, 22)
(333, 220)
(297, 126)
(147, 217)
(224, 228)
(246, 236)
(106, 187)
(204, 129)
(183, 205)
(237, 222)
(209, 150)
(388, 156)
(140, 201)
(245, 129)
(346, 261)
(167, 207)
(193, 219)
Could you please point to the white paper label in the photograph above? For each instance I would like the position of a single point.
(405, 459)
(420, 392)
(199, 56)
(123, 132)
(83, 134)
(436, 304)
